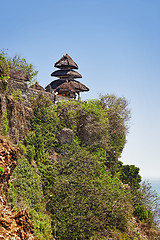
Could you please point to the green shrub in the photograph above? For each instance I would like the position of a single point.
(4, 66)
(42, 225)
(81, 195)
(143, 214)
(84, 199)
(30, 152)
(22, 149)
(149, 198)
(44, 124)
(17, 63)
(129, 174)
(21, 64)
(1, 171)
(26, 192)
(17, 95)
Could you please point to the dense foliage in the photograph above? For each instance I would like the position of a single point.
(4, 66)
(86, 190)
(16, 63)
(129, 174)
(84, 199)
(26, 191)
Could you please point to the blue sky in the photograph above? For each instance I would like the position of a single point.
(116, 44)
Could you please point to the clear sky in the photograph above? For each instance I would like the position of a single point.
(116, 44)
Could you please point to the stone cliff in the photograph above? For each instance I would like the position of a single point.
(15, 115)
(19, 112)
(13, 225)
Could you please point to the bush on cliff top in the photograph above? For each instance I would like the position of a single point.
(16, 63)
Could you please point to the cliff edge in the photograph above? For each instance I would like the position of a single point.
(13, 225)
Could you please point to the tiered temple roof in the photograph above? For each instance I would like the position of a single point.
(66, 62)
(66, 85)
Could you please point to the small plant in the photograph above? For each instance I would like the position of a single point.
(20, 64)
(16, 63)
(17, 95)
(1, 171)
(26, 192)
(21, 148)
(129, 174)
(149, 198)
(143, 214)
(4, 66)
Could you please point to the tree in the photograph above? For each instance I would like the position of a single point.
(44, 122)
(84, 200)
(118, 115)
(149, 198)
(129, 174)
(8, 64)
(4, 66)
(21, 64)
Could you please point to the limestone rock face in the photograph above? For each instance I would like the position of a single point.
(65, 136)
(8, 161)
(12, 225)
(18, 116)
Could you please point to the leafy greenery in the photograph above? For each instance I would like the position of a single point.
(84, 200)
(4, 66)
(16, 63)
(88, 120)
(20, 64)
(129, 174)
(143, 214)
(118, 116)
(44, 123)
(1, 171)
(149, 198)
(81, 184)
(17, 95)
(96, 195)
(26, 191)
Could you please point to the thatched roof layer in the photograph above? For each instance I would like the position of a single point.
(65, 87)
(77, 86)
(66, 62)
(56, 83)
(66, 73)
(66, 82)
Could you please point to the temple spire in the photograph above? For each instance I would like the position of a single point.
(66, 85)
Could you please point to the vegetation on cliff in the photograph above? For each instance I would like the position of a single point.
(16, 64)
(79, 190)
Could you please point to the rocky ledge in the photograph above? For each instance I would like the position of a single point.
(13, 225)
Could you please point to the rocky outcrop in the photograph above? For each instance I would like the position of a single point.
(8, 161)
(18, 113)
(26, 92)
(18, 116)
(13, 225)
(18, 108)
(65, 136)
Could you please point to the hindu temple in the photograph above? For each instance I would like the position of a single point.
(66, 85)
